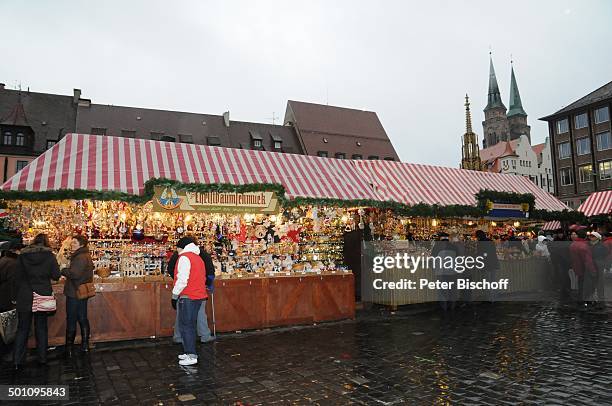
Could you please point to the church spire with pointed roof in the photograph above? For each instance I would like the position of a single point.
(515, 105)
(494, 96)
(470, 152)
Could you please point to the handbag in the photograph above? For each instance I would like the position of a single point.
(8, 326)
(86, 290)
(42, 303)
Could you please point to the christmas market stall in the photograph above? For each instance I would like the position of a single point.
(457, 202)
(273, 222)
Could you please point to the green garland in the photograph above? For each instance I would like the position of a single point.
(417, 210)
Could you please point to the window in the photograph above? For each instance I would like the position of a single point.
(156, 136)
(8, 138)
(389, 158)
(322, 154)
(98, 131)
(20, 140)
(214, 141)
(580, 121)
(357, 156)
(340, 155)
(256, 140)
(373, 157)
(604, 141)
(257, 144)
(562, 126)
(277, 141)
(566, 176)
(51, 143)
(602, 115)
(128, 133)
(605, 170)
(583, 146)
(278, 145)
(186, 138)
(168, 138)
(584, 173)
(564, 150)
(20, 165)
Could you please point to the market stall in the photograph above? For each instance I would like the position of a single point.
(276, 243)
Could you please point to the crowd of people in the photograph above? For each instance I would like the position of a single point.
(579, 259)
(26, 275)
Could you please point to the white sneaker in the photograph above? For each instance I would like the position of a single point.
(189, 360)
(183, 356)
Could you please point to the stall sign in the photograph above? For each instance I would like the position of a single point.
(507, 210)
(168, 199)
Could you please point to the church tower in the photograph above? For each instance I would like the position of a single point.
(495, 125)
(470, 153)
(517, 118)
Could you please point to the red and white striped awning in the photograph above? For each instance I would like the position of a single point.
(551, 225)
(597, 203)
(104, 163)
(92, 162)
(415, 183)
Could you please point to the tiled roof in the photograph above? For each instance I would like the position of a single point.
(603, 93)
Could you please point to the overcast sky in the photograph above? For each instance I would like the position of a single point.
(409, 61)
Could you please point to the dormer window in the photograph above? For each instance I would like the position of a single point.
(8, 138)
(256, 140)
(277, 142)
(340, 155)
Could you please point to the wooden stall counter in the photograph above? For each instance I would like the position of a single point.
(134, 309)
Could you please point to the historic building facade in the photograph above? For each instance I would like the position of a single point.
(32, 122)
(582, 146)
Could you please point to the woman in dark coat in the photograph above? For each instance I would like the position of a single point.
(78, 273)
(35, 268)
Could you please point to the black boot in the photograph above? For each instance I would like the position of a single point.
(85, 337)
(68, 349)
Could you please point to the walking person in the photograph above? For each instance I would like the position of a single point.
(36, 267)
(80, 272)
(188, 293)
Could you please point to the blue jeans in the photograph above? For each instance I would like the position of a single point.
(76, 310)
(188, 313)
(202, 325)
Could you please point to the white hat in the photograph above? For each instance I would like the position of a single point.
(541, 238)
(595, 234)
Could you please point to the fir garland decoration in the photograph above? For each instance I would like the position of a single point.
(417, 210)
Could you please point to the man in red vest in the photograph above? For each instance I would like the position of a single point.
(189, 291)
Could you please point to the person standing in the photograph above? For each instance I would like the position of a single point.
(582, 262)
(203, 331)
(188, 294)
(560, 258)
(486, 249)
(601, 260)
(8, 265)
(36, 266)
(445, 253)
(78, 273)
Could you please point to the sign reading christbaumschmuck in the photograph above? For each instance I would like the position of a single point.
(168, 199)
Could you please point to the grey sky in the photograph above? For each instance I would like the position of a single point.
(411, 62)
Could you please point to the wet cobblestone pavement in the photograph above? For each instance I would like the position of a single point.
(498, 354)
